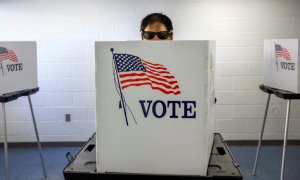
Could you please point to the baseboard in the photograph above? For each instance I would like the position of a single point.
(80, 144)
(264, 142)
(43, 144)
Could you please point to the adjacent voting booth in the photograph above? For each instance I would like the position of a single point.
(18, 66)
(281, 64)
(154, 107)
(18, 77)
(282, 79)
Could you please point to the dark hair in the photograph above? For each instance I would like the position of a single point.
(156, 17)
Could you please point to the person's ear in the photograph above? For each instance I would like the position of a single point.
(171, 35)
(142, 36)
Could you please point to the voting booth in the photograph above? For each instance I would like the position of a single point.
(154, 107)
(18, 66)
(281, 64)
(282, 79)
(18, 77)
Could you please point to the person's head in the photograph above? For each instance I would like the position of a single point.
(156, 26)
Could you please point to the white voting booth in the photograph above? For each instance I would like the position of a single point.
(281, 78)
(281, 64)
(18, 77)
(154, 106)
(18, 66)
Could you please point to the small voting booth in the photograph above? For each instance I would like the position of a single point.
(282, 79)
(18, 66)
(154, 107)
(281, 64)
(18, 77)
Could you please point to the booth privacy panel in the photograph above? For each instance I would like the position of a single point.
(18, 66)
(281, 64)
(154, 106)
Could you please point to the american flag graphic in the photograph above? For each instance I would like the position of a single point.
(282, 52)
(134, 71)
(6, 54)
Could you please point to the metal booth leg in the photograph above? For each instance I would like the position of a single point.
(261, 135)
(285, 138)
(37, 137)
(5, 143)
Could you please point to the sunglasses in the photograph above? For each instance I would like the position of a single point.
(161, 34)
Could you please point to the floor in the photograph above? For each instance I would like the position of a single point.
(269, 162)
(25, 162)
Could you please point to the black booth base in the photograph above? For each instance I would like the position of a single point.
(221, 165)
(279, 92)
(15, 95)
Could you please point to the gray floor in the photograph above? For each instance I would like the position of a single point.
(25, 164)
(269, 162)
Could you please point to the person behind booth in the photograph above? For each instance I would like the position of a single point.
(156, 26)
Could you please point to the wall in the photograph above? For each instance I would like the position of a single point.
(65, 31)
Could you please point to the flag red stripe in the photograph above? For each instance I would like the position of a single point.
(167, 77)
(2, 56)
(283, 55)
(163, 79)
(157, 70)
(131, 74)
(154, 82)
(143, 74)
(286, 56)
(153, 64)
(12, 58)
(161, 72)
(281, 52)
(148, 78)
(160, 68)
(154, 88)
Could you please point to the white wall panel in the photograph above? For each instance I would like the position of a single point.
(65, 32)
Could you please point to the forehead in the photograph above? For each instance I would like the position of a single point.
(156, 26)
